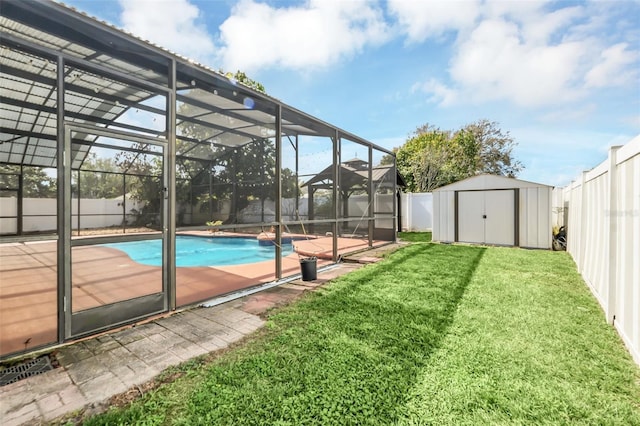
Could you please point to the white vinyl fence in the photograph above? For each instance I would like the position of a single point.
(602, 213)
(416, 211)
(40, 214)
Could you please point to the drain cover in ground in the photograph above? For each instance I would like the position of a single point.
(25, 369)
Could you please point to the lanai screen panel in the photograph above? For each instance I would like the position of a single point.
(225, 153)
(293, 203)
(28, 205)
(384, 177)
(28, 109)
(226, 187)
(31, 43)
(317, 173)
(353, 195)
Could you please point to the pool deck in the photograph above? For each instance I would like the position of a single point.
(95, 370)
(102, 275)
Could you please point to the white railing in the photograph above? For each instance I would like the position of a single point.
(602, 213)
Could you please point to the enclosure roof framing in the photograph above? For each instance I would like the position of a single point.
(109, 73)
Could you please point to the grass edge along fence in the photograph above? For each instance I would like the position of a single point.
(433, 334)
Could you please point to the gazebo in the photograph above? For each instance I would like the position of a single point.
(356, 178)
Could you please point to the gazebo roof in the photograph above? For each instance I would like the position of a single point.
(351, 176)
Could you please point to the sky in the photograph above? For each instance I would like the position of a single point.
(561, 77)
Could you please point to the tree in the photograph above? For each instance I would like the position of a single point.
(289, 184)
(422, 160)
(241, 77)
(36, 183)
(99, 178)
(387, 159)
(144, 184)
(432, 157)
(488, 150)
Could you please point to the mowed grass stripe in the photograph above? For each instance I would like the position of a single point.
(529, 345)
(346, 355)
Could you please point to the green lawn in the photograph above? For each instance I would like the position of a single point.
(415, 237)
(434, 334)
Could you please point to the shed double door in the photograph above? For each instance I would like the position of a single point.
(487, 217)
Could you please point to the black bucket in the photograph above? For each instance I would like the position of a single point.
(308, 267)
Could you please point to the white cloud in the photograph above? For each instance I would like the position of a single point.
(317, 34)
(423, 19)
(543, 27)
(613, 68)
(497, 62)
(532, 53)
(531, 56)
(632, 121)
(175, 25)
(519, 11)
(437, 92)
(569, 114)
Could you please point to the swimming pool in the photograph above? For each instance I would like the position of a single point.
(202, 251)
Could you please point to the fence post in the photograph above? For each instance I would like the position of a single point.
(611, 215)
(583, 223)
(569, 206)
(410, 211)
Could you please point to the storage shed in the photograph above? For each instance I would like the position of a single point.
(496, 210)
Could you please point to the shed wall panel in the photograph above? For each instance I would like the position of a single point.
(499, 223)
(444, 216)
(449, 209)
(544, 218)
(471, 208)
(535, 217)
(437, 218)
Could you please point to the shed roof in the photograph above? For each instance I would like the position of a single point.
(488, 182)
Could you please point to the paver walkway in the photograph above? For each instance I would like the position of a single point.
(94, 370)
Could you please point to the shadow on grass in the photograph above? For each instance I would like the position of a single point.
(347, 355)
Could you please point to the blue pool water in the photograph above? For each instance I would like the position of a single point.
(202, 251)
